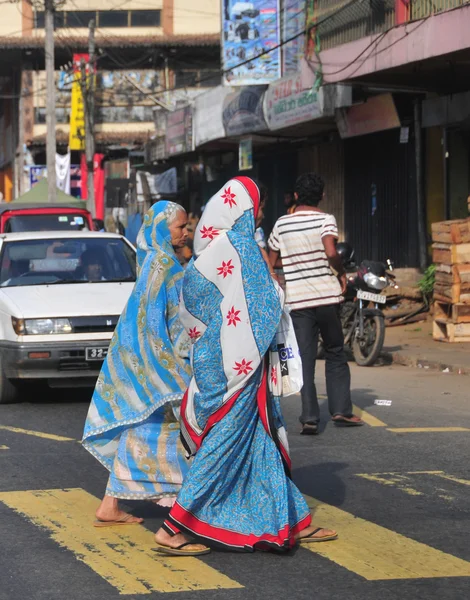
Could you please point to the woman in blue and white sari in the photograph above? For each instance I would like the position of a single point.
(238, 493)
(132, 425)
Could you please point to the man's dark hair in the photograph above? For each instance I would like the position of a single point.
(309, 188)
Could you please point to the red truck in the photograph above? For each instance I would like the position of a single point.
(17, 217)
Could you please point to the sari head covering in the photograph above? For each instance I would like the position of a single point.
(237, 492)
(147, 364)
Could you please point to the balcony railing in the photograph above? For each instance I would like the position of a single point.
(419, 9)
(341, 21)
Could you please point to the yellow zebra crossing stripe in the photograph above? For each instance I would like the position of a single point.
(377, 553)
(120, 555)
(40, 434)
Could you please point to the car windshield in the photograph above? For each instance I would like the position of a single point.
(64, 222)
(61, 261)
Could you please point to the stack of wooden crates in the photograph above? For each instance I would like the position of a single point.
(451, 255)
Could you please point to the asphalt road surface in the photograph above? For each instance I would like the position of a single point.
(397, 490)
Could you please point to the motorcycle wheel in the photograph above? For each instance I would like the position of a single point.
(367, 351)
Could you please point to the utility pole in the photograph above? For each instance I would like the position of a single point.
(50, 102)
(88, 92)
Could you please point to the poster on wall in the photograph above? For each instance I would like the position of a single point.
(245, 154)
(249, 29)
(294, 23)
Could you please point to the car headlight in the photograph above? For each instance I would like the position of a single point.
(375, 282)
(41, 326)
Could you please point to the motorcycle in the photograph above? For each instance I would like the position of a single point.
(361, 317)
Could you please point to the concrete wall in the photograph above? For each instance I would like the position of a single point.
(11, 22)
(195, 17)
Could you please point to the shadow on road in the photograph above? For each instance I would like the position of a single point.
(331, 489)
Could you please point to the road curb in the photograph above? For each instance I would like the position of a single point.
(399, 358)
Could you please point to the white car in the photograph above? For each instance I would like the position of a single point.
(61, 295)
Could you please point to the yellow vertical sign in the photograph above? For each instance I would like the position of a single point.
(77, 107)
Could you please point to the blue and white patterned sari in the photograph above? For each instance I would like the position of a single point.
(238, 492)
(132, 424)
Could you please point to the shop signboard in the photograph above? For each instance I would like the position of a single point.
(287, 103)
(243, 111)
(250, 29)
(179, 131)
(378, 113)
(208, 122)
(293, 25)
(77, 107)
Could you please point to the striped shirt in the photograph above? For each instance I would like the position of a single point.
(309, 279)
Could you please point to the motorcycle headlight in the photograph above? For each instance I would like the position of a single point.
(41, 326)
(375, 282)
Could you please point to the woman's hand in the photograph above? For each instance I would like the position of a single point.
(267, 261)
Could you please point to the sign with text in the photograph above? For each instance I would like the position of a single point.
(293, 24)
(249, 30)
(286, 103)
(77, 107)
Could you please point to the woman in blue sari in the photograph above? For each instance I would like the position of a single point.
(238, 493)
(132, 424)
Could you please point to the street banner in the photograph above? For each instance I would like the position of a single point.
(179, 131)
(245, 154)
(287, 103)
(294, 23)
(243, 111)
(208, 122)
(249, 29)
(62, 170)
(77, 108)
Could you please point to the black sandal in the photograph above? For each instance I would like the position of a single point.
(309, 539)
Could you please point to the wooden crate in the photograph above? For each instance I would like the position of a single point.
(449, 274)
(450, 332)
(455, 293)
(451, 313)
(451, 254)
(451, 232)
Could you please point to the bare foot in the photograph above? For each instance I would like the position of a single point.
(174, 541)
(108, 511)
(318, 535)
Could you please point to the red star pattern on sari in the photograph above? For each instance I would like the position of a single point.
(226, 268)
(274, 375)
(233, 317)
(244, 367)
(209, 232)
(194, 334)
(229, 197)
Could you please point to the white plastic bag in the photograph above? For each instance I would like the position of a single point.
(286, 365)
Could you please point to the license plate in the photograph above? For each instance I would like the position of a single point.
(96, 353)
(371, 297)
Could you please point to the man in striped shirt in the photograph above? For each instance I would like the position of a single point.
(305, 241)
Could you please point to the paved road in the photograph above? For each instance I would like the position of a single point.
(397, 491)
